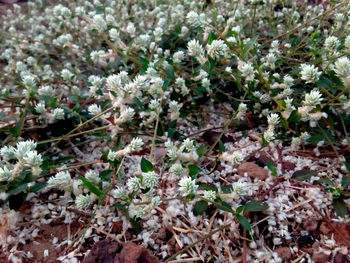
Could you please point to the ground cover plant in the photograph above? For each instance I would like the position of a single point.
(175, 131)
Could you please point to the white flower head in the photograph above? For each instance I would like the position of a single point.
(187, 185)
(342, 68)
(23, 148)
(247, 70)
(83, 201)
(217, 48)
(178, 56)
(114, 34)
(177, 169)
(99, 23)
(210, 195)
(8, 152)
(195, 49)
(239, 188)
(32, 158)
(127, 114)
(61, 180)
(136, 144)
(150, 179)
(237, 158)
(119, 193)
(5, 174)
(273, 119)
(94, 109)
(193, 19)
(133, 184)
(40, 107)
(331, 43)
(188, 144)
(309, 73)
(313, 98)
(269, 136)
(92, 176)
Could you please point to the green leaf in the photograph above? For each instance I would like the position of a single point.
(226, 189)
(193, 170)
(255, 206)
(272, 168)
(239, 209)
(169, 71)
(38, 186)
(325, 181)
(207, 187)
(146, 166)
(222, 205)
(92, 188)
(211, 37)
(201, 150)
(221, 147)
(324, 82)
(18, 189)
(340, 207)
(106, 175)
(120, 206)
(200, 207)
(244, 222)
(135, 222)
(294, 116)
(303, 175)
(347, 166)
(189, 197)
(345, 181)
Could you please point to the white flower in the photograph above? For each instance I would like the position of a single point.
(23, 148)
(342, 68)
(92, 176)
(187, 185)
(269, 136)
(210, 195)
(174, 106)
(239, 188)
(135, 145)
(66, 74)
(150, 179)
(313, 98)
(188, 144)
(5, 174)
(237, 158)
(195, 49)
(114, 34)
(61, 180)
(247, 70)
(28, 81)
(295, 142)
(217, 48)
(288, 81)
(32, 158)
(309, 73)
(178, 56)
(58, 114)
(347, 44)
(99, 23)
(83, 201)
(193, 19)
(305, 136)
(331, 43)
(273, 119)
(242, 108)
(119, 193)
(112, 155)
(94, 109)
(177, 169)
(46, 91)
(134, 184)
(8, 152)
(127, 114)
(40, 107)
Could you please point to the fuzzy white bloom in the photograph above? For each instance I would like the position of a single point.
(242, 108)
(188, 144)
(178, 56)
(127, 114)
(28, 81)
(99, 23)
(295, 142)
(331, 43)
(46, 91)
(269, 136)
(96, 56)
(313, 98)
(239, 188)
(92, 176)
(112, 155)
(131, 29)
(94, 109)
(114, 34)
(210, 195)
(273, 119)
(247, 70)
(305, 136)
(187, 186)
(237, 158)
(135, 145)
(23, 148)
(150, 179)
(270, 60)
(309, 73)
(40, 107)
(174, 106)
(288, 81)
(193, 19)
(58, 114)
(83, 201)
(8, 152)
(177, 169)
(133, 184)
(119, 193)
(5, 174)
(61, 180)
(32, 158)
(342, 68)
(217, 48)
(66, 74)
(347, 44)
(195, 49)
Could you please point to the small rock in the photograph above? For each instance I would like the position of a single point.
(325, 229)
(253, 170)
(310, 224)
(117, 227)
(320, 257)
(132, 253)
(341, 258)
(103, 251)
(284, 253)
(288, 166)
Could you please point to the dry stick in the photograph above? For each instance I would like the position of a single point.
(77, 128)
(244, 245)
(197, 242)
